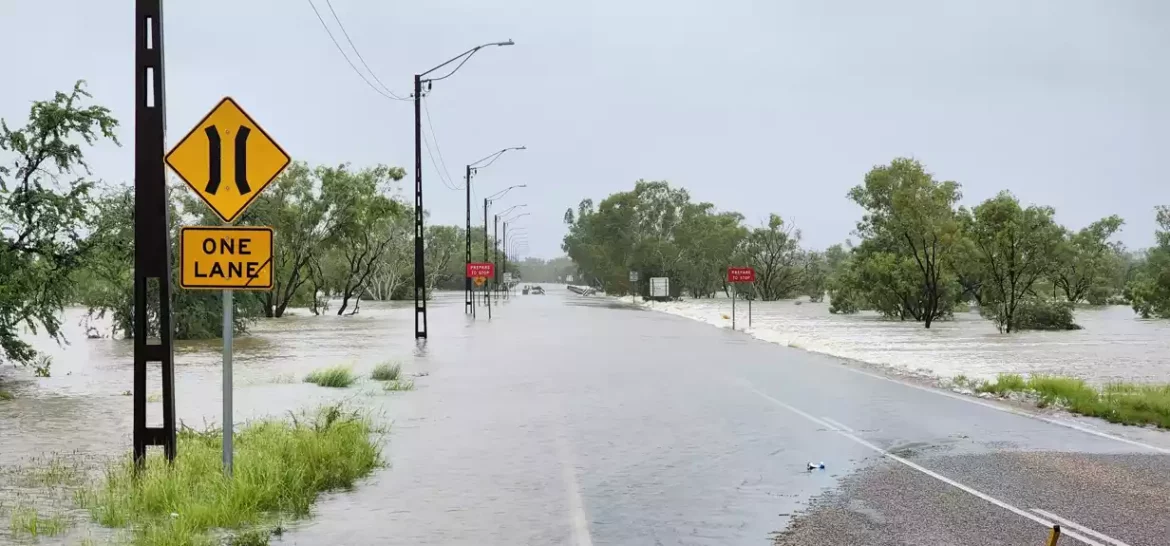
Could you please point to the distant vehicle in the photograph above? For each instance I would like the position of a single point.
(526, 289)
(537, 290)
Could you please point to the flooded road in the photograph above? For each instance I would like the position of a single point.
(582, 421)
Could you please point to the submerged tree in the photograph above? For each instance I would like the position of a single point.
(44, 208)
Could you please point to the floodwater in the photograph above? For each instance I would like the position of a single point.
(1114, 344)
(563, 420)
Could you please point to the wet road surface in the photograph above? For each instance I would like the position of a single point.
(570, 420)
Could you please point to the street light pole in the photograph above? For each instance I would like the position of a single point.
(468, 299)
(495, 251)
(420, 273)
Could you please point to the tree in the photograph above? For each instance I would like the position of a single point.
(293, 207)
(361, 218)
(1085, 261)
(105, 280)
(1149, 289)
(909, 232)
(1015, 247)
(44, 205)
(773, 250)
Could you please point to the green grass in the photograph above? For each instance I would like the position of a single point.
(386, 372)
(26, 521)
(5, 395)
(280, 468)
(334, 376)
(399, 385)
(55, 470)
(1005, 383)
(1124, 403)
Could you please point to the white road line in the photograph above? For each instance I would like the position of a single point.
(837, 425)
(1079, 527)
(579, 523)
(1007, 409)
(928, 472)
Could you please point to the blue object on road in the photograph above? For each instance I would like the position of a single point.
(812, 466)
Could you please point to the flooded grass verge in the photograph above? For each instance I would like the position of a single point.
(280, 467)
(334, 376)
(399, 385)
(1122, 403)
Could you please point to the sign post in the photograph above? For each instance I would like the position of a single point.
(659, 287)
(479, 273)
(633, 287)
(737, 275)
(227, 258)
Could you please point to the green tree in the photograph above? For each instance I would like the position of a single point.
(106, 278)
(1149, 289)
(1086, 260)
(909, 232)
(293, 207)
(1015, 247)
(773, 250)
(44, 206)
(361, 218)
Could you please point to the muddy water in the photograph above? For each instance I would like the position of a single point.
(1114, 345)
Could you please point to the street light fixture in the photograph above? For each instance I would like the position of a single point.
(420, 294)
(473, 168)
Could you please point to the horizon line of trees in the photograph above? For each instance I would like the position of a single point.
(919, 254)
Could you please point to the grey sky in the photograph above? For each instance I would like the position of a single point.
(758, 107)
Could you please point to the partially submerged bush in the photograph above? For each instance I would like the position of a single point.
(335, 376)
(386, 372)
(1032, 314)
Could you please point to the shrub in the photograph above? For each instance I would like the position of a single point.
(1032, 314)
(386, 372)
(335, 376)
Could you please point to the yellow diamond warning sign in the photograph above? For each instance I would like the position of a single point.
(236, 258)
(227, 159)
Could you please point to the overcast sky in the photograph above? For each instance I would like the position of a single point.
(759, 107)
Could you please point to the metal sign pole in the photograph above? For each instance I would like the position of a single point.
(750, 313)
(733, 306)
(228, 421)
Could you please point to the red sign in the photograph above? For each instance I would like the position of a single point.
(481, 269)
(741, 274)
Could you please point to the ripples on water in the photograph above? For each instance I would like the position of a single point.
(1114, 345)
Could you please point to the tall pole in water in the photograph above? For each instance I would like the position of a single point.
(152, 246)
(420, 273)
(495, 250)
(468, 305)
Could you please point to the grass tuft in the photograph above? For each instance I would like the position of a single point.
(1123, 403)
(26, 521)
(5, 395)
(280, 468)
(285, 378)
(1004, 383)
(386, 372)
(399, 385)
(334, 376)
(56, 470)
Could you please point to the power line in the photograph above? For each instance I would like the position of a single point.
(359, 53)
(443, 179)
(435, 137)
(347, 59)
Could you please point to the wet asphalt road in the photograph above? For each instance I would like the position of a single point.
(569, 420)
